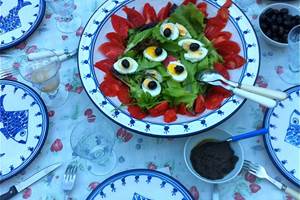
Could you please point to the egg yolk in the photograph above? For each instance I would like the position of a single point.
(171, 68)
(186, 46)
(151, 51)
(182, 30)
(169, 26)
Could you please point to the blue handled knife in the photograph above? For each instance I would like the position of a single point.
(15, 189)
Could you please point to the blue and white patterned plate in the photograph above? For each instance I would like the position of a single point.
(23, 127)
(18, 20)
(283, 140)
(140, 184)
(94, 35)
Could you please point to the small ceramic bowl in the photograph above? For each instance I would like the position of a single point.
(218, 135)
(292, 10)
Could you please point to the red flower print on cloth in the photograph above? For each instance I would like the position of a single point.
(51, 113)
(16, 65)
(88, 112)
(254, 187)
(64, 37)
(56, 146)
(124, 135)
(238, 196)
(250, 177)
(48, 15)
(93, 185)
(79, 31)
(31, 49)
(152, 166)
(27, 193)
(68, 87)
(261, 82)
(279, 70)
(79, 89)
(21, 46)
(194, 192)
(89, 115)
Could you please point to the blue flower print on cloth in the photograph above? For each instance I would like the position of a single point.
(293, 132)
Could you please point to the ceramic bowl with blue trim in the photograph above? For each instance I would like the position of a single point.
(94, 35)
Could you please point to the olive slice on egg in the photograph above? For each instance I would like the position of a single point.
(169, 31)
(156, 54)
(154, 74)
(126, 65)
(195, 50)
(151, 86)
(177, 71)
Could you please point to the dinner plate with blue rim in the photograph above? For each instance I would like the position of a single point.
(283, 140)
(88, 54)
(140, 184)
(23, 127)
(18, 20)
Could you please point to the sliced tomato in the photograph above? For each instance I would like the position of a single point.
(203, 8)
(199, 105)
(227, 4)
(134, 17)
(213, 100)
(123, 95)
(105, 65)
(211, 31)
(221, 37)
(164, 12)
(159, 109)
(109, 77)
(170, 116)
(149, 14)
(222, 70)
(115, 38)
(108, 89)
(111, 50)
(136, 112)
(120, 25)
(182, 109)
(168, 60)
(227, 47)
(221, 90)
(186, 2)
(234, 61)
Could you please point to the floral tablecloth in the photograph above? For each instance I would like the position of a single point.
(133, 150)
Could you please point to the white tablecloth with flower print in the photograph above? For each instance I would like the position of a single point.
(136, 151)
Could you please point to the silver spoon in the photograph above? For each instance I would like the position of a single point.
(211, 76)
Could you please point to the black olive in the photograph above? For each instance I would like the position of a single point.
(194, 46)
(263, 18)
(297, 18)
(167, 32)
(158, 51)
(280, 30)
(287, 24)
(269, 12)
(264, 26)
(273, 18)
(279, 20)
(274, 28)
(276, 12)
(152, 85)
(125, 63)
(285, 37)
(284, 11)
(179, 69)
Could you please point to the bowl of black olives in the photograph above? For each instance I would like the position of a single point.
(275, 22)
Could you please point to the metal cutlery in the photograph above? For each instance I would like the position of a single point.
(15, 189)
(69, 179)
(260, 172)
(4, 73)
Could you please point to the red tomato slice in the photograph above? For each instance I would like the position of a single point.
(111, 50)
(136, 112)
(149, 14)
(115, 38)
(120, 25)
(211, 31)
(199, 105)
(221, 90)
(123, 95)
(105, 65)
(182, 109)
(222, 70)
(186, 2)
(203, 8)
(213, 100)
(108, 89)
(234, 61)
(164, 12)
(134, 17)
(159, 109)
(227, 4)
(170, 116)
(221, 37)
(227, 47)
(109, 77)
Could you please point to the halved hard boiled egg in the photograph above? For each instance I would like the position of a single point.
(126, 65)
(177, 71)
(195, 50)
(154, 53)
(154, 74)
(151, 86)
(183, 32)
(169, 31)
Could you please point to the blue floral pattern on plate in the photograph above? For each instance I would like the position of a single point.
(97, 27)
(283, 140)
(23, 127)
(140, 184)
(18, 20)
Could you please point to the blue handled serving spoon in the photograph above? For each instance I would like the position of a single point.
(247, 135)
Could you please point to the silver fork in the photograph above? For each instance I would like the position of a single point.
(4, 73)
(69, 179)
(260, 172)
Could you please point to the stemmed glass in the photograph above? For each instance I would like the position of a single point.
(66, 22)
(94, 143)
(291, 73)
(43, 73)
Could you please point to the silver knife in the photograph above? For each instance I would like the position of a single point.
(15, 189)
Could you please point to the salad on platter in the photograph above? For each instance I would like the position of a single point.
(153, 58)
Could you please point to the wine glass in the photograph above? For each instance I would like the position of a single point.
(66, 22)
(291, 72)
(94, 143)
(43, 73)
